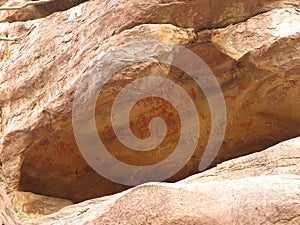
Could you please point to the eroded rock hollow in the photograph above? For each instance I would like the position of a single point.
(252, 48)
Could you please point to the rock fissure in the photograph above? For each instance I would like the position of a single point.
(32, 10)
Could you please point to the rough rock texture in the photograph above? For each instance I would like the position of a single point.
(30, 206)
(196, 14)
(281, 159)
(262, 188)
(7, 214)
(268, 200)
(23, 10)
(2, 179)
(256, 63)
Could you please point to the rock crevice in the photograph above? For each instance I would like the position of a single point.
(24, 10)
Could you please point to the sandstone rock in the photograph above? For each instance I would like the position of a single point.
(263, 36)
(24, 10)
(203, 13)
(2, 179)
(7, 214)
(40, 73)
(262, 188)
(281, 159)
(30, 206)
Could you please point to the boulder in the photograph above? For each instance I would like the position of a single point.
(262, 188)
(43, 63)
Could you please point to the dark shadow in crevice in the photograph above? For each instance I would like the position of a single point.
(32, 12)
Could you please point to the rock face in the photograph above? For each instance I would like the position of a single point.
(262, 188)
(2, 179)
(24, 10)
(7, 214)
(281, 159)
(30, 206)
(255, 61)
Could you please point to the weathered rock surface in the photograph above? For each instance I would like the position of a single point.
(7, 214)
(262, 188)
(24, 10)
(281, 159)
(196, 14)
(30, 206)
(2, 179)
(40, 72)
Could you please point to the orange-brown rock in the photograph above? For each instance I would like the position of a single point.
(41, 70)
(261, 188)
